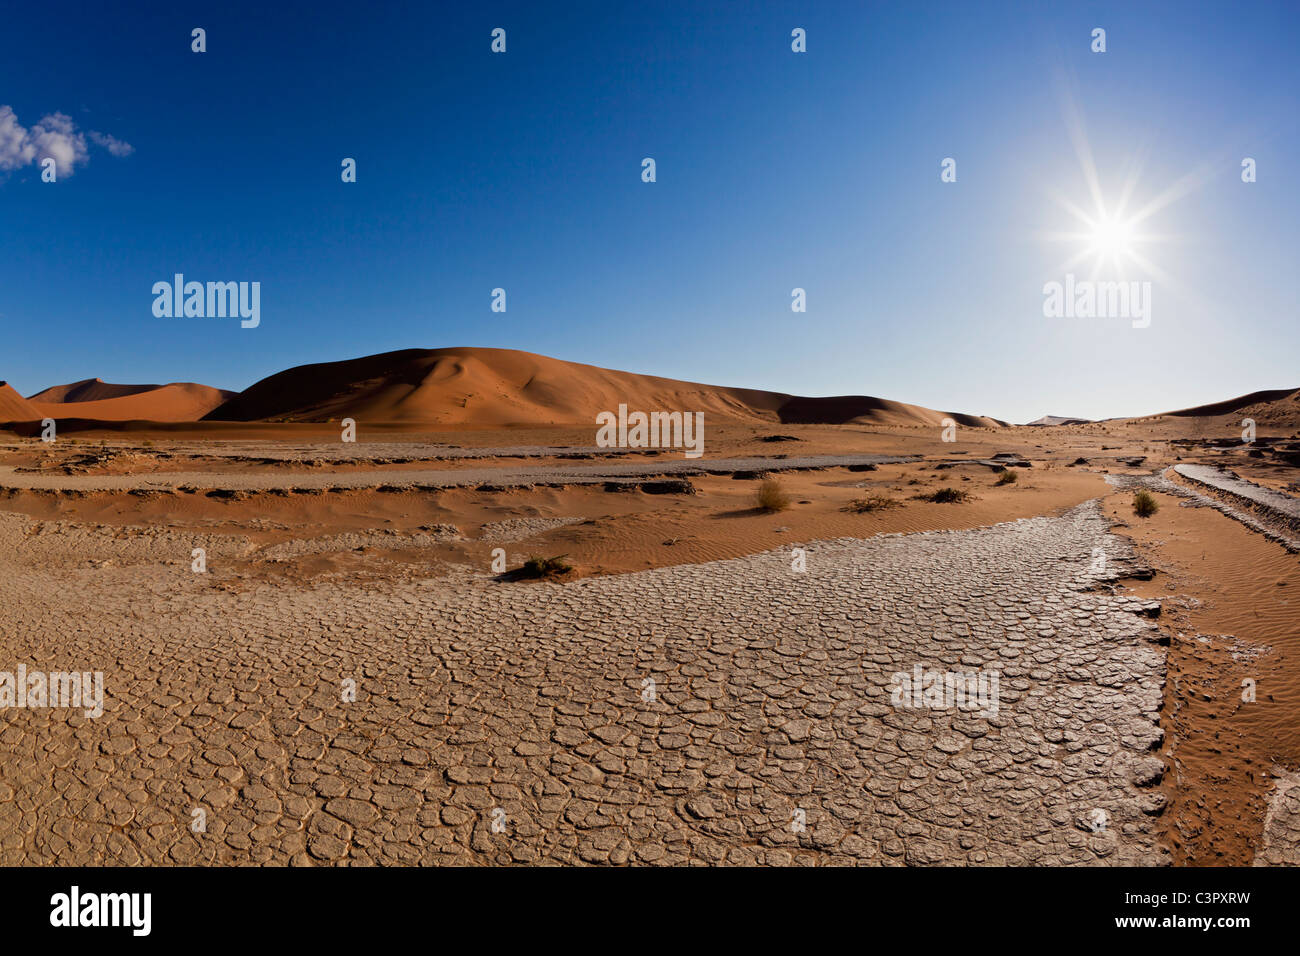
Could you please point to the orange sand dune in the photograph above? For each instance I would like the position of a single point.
(1276, 409)
(487, 386)
(1283, 412)
(1277, 401)
(87, 390)
(104, 401)
(15, 408)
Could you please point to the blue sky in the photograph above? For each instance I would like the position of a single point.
(775, 170)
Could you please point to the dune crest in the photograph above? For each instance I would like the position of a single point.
(93, 398)
(1278, 407)
(485, 386)
(87, 390)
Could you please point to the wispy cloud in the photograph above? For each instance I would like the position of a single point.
(55, 137)
(111, 143)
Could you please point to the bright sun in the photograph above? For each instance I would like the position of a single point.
(1112, 235)
(1112, 238)
(1109, 240)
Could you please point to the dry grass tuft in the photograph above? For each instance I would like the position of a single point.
(539, 567)
(1145, 504)
(872, 503)
(945, 496)
(772, 497)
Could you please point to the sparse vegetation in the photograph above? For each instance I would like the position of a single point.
(945, 496)
(872, 503)
(1006, 477)
(772, 497)
(1144, 503)
(539, 567)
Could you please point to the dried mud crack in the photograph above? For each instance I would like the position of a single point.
(498, 723)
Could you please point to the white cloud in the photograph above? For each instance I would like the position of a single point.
(111, 143)
(16, 147)
(56, 137)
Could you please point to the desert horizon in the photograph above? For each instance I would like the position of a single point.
(95, 400)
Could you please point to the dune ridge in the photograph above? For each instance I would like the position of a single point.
(486, 386)
(490, 387)
(93, 398)
(1048, 420)
(87, 390)
(1275, 407)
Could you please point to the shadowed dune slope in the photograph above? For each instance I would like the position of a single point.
(482, 386)
(104, 401)
(88, 390)
(1278, 407)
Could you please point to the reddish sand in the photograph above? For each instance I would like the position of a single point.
(617, 532)
(87, 390)
(1231, 603)
(103, 401)
(502, 387)
(15, 408)
(492, 388)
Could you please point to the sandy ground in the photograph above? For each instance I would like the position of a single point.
(1231, 604)
(374, 562)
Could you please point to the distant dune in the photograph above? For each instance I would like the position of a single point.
(87, 390)
(1278, 407)
(104, 401)
(1059, 420)
(15, 408)
(482, 386)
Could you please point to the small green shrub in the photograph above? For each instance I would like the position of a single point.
(1145, 504)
